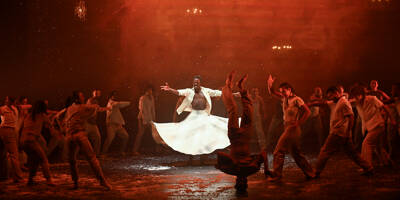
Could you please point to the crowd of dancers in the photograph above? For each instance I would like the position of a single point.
(369, 117)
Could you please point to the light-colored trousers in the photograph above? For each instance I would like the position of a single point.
(112, 131)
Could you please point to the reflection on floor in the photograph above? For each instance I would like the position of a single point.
(172, 176)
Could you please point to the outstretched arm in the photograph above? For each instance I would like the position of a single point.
(168, 89)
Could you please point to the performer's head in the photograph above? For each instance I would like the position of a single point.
(318, 92)
(96, 93)
(196, 83)
(287, 89)
(333, 93)
(374, 85)
(78, 97)
(358, 92)
(112, 95)
(9, 100)
(23, 100)
(38, 107)
(255, 92)
(341, 89)
(149, 90)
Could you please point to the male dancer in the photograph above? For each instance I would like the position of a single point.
(201, 132)
(290, 139)
(147, 114)
(239, 162)
(374, 91)
(341, 123)
(115, 123)
(370, 110)
(32, 126)
(91, 127)
(258, 117)
(76, 118)
(8, 135)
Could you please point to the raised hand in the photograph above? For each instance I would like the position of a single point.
(165, 87)
(241, 82)
(229, 79)
(270, 82)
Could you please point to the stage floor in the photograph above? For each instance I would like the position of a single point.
(171, 177)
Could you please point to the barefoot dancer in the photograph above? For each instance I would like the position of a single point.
(201, 132)
(290, 139)
(239, 162)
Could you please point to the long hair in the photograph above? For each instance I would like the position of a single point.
(38, 107)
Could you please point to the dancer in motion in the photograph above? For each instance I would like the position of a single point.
(258, 117)
(115, 123)
(31, 132)
(201, 132)
(76, 118)
(290, 139)
(239, 162)
(341, 123)
(370, 109)
(8, 135)
(147, 114)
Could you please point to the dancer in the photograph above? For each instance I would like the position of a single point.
(76, 118)
(146, 115)
(8, 135)
(341, 123)
(91, 127)
(201, 132)
(239, 162)
(369, 109)
(258, 117)
(314, 121)
(290, 139)
(115, 123)
(374, 91)
(31, 132)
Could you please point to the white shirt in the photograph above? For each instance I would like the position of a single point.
(338, 122)
(189, 94)
(370, 113)
(114, 115)
(9, 116)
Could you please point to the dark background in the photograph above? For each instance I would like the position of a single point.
(47, 51)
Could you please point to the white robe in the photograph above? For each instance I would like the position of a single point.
(199, 133)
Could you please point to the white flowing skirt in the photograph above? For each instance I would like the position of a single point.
(199, 133)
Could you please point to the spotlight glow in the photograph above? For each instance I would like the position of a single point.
(80, 10)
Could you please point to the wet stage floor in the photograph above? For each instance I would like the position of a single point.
(171, 177)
